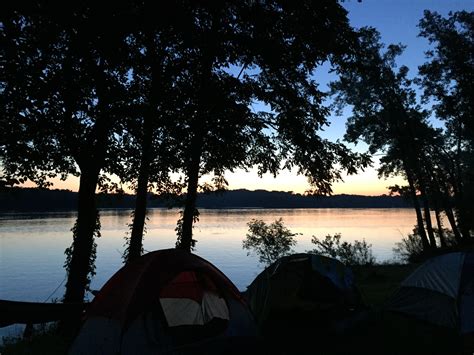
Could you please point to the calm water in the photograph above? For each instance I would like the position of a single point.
(32, 245)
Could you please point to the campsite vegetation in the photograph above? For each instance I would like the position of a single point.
(139, 93)
(272, 241)
(410, 248)
(269, 242)
(359, 253)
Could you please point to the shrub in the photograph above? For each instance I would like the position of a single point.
(410, 248)
(359, 253)
(269, 242)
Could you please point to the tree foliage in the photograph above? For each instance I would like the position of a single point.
(269, 241)
(448, 76)
(152, 137)
(448, 79)
(275, 47)
(63, 93)
(386, 114)
(387, 117)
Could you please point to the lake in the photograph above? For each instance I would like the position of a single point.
(32, 245)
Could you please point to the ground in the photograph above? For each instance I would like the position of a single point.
(373, 331)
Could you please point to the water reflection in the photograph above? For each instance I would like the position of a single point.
(37, 215)
(32, 245)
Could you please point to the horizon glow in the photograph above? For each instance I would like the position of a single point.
(364, 183)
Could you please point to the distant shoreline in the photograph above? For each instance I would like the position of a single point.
(58, 212)
(17, 200)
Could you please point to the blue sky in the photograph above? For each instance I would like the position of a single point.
(397, 22)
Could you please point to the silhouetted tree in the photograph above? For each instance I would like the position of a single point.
(275, 47)
(442, 179)
(392, 164)
(63, 90)
(386, 116)
(152, 136)
(448, 77)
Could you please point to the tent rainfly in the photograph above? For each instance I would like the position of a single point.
(166, 302)
(304, 283)
(440, 291)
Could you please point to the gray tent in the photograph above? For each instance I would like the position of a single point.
(440, 291)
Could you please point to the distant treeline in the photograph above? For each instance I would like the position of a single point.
(30, 199)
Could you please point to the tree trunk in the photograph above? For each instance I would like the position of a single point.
(459, 191)
(442, 238)
(79, 266)
(191, 193)
(463, 222)
(437, 198)
(139, 216)
(84, 238)
(419, 217)
(408, 164)
(461, 219)
(136, 237)
(90, 157)
(90, 163)
(452, 221)
(429, 225)
(206, 106)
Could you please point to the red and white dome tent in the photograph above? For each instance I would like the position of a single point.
(166, 302)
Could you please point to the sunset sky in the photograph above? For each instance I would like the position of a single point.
(397, 22)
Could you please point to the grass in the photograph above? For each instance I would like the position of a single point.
(377, 283)
(44, 340)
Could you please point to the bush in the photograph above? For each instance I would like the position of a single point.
(269, 242)
(359, 253)
(410, 249)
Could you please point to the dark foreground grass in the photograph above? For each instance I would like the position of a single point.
(369, 331)
(379, 333)
(44, 341)
(376, 283)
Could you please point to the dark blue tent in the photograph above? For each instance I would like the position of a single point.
(301, 285)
